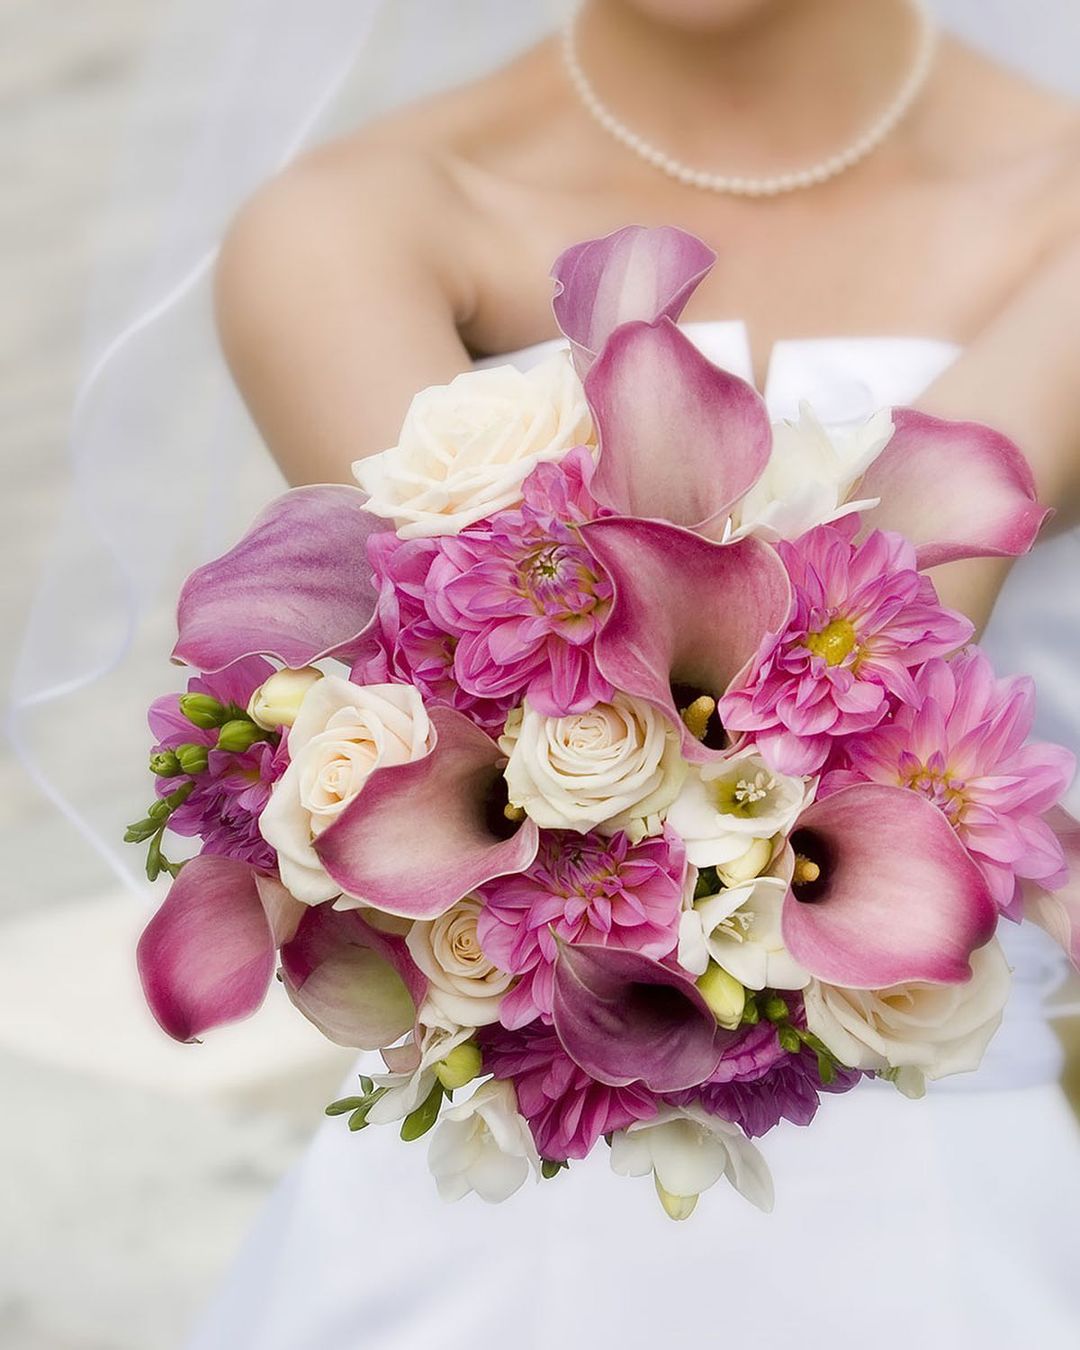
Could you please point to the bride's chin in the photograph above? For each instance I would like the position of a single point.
(703, 15)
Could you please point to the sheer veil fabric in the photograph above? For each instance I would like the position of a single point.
(165, 467)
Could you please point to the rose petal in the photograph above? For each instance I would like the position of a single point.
(625, 1018)
(634, 273)
(207, 955)
(357, 985)
(680, 439)
(900, 899)
(1058, 911)
(955, 489)
(685, 611)
(297, 586)
(417, 837)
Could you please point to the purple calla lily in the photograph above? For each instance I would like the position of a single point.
(207, 956)
(1058, 911)
(954, 489)
(883, 892)
(680, 439)
(625, 1018)
(420, 836)
(297, 587)
(686, 613)
(358, 985)
(634, 273)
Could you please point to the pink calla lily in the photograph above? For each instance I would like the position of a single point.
(955, 489)
(634, 273)
(297, 587)
(420, 836)
(896, 896)
(625, 1018)
(358, 985)
(680, 439)
(207, 956)
(686, 613)
(1058, 911)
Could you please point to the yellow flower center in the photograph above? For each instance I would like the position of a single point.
(835, 642)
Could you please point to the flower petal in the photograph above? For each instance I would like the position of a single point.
(680, 439)
(207, 955)
(1058, 911)
(297, 586)
(418, 836)
(634, 273)
(625, 1018)
(357, 985)
(899, 897)
(955, 489)
(685, 612)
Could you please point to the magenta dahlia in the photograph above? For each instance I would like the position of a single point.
(864, 618)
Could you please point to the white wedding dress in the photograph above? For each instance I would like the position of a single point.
(951, 1222)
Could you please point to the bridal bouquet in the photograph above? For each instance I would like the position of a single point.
(609, 753)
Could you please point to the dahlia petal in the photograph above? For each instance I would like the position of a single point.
(1058, 911)
(955, 489)
(296, 587)
(900, 898)
(416, 838)
(634, 273)
(624, 1018)
(658, 403)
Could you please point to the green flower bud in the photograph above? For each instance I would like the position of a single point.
(164, 764)
(159, 811)
(202, 710)
(239, 735)
(193, 758)
(724, 995)
(775, 1009)
(789, 1040)
(460, 1066)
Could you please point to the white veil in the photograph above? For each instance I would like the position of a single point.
(165, 467)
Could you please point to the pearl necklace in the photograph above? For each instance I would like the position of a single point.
(740, 185)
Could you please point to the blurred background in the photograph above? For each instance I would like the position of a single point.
(132, 1165)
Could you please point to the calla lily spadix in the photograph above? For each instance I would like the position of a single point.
(634, 273)
(883, 892)
(686, 613)
(625, 1018)
(419, 836)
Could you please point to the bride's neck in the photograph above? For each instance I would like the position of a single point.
(792, 78)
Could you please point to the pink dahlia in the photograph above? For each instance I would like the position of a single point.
(581, 888)
(525, 597)
(405, 644)
(567, 1110)
(227, 796)
(961, 743)
(864, 617)
(790, 1090)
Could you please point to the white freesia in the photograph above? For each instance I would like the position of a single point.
(687, 1151)
(465, 988)
(724, 807)
(277, 700)
(923, 1030)
(810, 474)
(342, 732)
(739, 929)
(466, 447)
(412, 1073)
(483, 1145)
(616, 767)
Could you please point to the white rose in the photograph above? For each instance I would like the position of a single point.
(412, 1072)
(687, 1151)
(483, 1145)
(809, 475)
(341, 734)
(616, 767)
(739, 929)
(464, 987)
(724, 807)
(921, 1029)
(466, 447)
(277, 700)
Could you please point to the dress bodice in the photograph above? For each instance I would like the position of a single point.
(1034, 629)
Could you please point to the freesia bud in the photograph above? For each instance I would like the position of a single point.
(192, 758)
(676, 1206)
(724, 995)
(747, 865)
(164, 764)
(202, 710)
(460, 1066)
(239, 735)
(277, 701)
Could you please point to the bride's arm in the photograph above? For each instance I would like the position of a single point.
(1022, 376)
(336, 301)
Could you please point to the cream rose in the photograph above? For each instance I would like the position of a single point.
(466, 447)
(923, 1030)
(341, 734)
(616, 767)
(464, 988)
